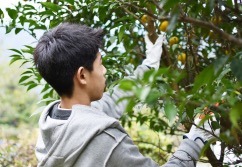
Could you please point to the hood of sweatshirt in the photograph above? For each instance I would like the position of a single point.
(61, 142)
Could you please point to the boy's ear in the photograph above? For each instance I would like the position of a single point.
(81, 75)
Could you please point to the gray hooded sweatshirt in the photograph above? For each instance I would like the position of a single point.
(93, 137)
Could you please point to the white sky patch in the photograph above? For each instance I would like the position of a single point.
(11, 40)
(7, 4)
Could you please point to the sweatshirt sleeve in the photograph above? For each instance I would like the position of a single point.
(126, 154)
(108, 103)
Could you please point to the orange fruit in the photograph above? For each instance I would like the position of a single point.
(144, 19)
(163, 26)
(173, 40)
(216, 20)
(182, 58)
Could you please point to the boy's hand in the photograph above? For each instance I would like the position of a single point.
(204, 132)
(153, 51)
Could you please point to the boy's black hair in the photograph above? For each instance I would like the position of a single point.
(62, 50)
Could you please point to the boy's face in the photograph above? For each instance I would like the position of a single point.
(96, 79)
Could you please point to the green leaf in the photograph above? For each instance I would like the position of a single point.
(126, 85)
(125, 18)
(51, 6)
(153, 7)
(54, 23)
(23, 78)
(189, 112)
(29, 7)
(8, 29)
(148, 76)
(174, 47)
(169, 148)
(219, 63)
(17, 51)
(31, 86)
(169, 4)
(13, 14)
(144, 93)
(28, 83)
(45, 88)
(113, 39)
(15, 55)
(236, 114)
(211, 4)
(70, 1)
(237, 68)
(46, 13)
(229, 3)
(173, 22)
(22, 20)
(1, 14)
(170, 110)
(130, 106)
(33, 23)
(14, 59)
(204, 78)
(24, 62)
(153, 97)
(30, 51)
(27, 72)
(28, 46)
(112, 5)
(102, 12)
(225, 71)
(121, 33)
(17, 30)
(215, 125)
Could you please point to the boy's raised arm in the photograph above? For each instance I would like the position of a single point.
(108, 103)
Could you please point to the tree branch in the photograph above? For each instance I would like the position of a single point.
(148, 12)
(132, 14)
(221, 159)
(205, 24)
(215, 29)
(236, 5)
(212, 158)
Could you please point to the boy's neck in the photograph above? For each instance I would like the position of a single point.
(67, 103)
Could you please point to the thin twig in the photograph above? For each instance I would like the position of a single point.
(221, 159)
(132, 14)
(140, 9)
(24, 30)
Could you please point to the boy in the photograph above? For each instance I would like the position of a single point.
(81, 129)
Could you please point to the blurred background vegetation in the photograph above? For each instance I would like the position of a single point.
(17, 127)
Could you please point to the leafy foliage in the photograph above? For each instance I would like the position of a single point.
(14, 110)
(21, 153)
(207, 80)
(17, 141)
